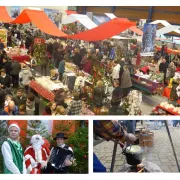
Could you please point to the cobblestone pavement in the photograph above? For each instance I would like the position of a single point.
(161, 153)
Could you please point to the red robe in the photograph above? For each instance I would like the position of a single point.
(29, 155)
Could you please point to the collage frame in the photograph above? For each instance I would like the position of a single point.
(92, 175)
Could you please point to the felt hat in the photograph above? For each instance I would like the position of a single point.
(60, 135)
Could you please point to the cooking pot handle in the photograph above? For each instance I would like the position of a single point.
(124, 150)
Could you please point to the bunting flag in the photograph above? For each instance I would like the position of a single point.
(69, 12)
(104, 31)
(132, 28)
(41, 20)
(83, 19)
(4, 16)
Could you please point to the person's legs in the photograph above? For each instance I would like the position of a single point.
(45, 69)
(56, 63)
(17, 81)
(60, 76)
(42, 70)
(13, 80)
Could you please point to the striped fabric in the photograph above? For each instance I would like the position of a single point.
(109, 129)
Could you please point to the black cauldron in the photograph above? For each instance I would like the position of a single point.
(134, 154)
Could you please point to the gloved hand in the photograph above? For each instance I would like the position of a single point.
(130, 138)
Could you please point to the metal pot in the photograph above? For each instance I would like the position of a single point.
(133, 154)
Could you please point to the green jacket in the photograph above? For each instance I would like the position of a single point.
(17, 153)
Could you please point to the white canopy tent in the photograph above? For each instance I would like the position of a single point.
(166, 24)
(83, 19)
(86, 22)
(167, 29)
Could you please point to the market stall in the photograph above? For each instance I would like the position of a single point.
(165, 108)
(18, 54)
(46, 87)
(150, 83)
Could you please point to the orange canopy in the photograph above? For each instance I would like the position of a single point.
(41, 20)
(68, 12)
(4, 16)
(136, 30)
(104, 31)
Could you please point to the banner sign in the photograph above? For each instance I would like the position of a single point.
(15, 11)
(39, 41)
(149, 34)
(51, 13)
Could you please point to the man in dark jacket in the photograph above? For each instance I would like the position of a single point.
(5, 80)
(44, 63)
(117, 95)
(15, 70)
(19, 99)
(6, 65)
(77, 58)
(163, 69)
(58, 56)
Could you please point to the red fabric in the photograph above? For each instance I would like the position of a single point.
(178, 69)
(4, 16)
(167, 92)
(68, 12)
(136, 30)
(42, 91)
(42, 22)
(30, 151)
(169, 51)
(88, 67)
(170, 111)
(145, 69)
(104, 31)
(21, 58)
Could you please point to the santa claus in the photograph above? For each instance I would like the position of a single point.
(36, 154)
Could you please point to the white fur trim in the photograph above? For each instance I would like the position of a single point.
(45, 152)
(29, 169)
(28, 148)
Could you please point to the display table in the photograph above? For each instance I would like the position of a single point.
(149, 86)
(168, 111)
(47, 92)
(21, 58)
(42, 91)
(17, 54)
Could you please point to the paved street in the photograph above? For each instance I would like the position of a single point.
(161, 153)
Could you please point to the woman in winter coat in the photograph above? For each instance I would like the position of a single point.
(126, 82)
(170, 71)
(99, 95)
(116, 71)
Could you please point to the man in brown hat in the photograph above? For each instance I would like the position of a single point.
(61, 156)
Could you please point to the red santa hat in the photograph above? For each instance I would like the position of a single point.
(14, 125)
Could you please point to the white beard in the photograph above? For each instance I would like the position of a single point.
(36, 147)
(38, 152)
